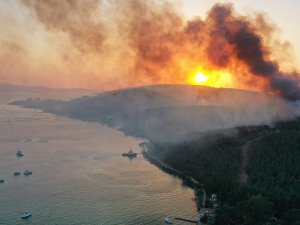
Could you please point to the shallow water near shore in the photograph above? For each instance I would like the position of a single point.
(79, 176)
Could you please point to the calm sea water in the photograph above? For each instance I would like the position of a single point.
(79, 176)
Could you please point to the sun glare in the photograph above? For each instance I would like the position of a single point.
(200, 78)
(212, 78)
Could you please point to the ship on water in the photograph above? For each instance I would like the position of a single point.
(130, 154)
(26, 215)
(19, 153)
(17, 173)
(27, 172)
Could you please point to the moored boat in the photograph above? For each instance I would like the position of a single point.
(27, 172)
(17, 173)
(168, 220)
(26, 215)
(19, 153)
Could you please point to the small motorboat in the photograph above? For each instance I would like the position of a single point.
(168, 220)
(17, 173)
(27, 172)
(1, 181)
(19, 153)
(26, 215)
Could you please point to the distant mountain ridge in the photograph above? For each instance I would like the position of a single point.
(12, 92)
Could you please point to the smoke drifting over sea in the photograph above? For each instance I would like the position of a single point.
(138, 42)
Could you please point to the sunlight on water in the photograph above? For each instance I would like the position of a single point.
(79, 176)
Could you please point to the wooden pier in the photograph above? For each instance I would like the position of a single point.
(186, 220)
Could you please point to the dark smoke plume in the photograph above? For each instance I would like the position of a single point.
(156, 45)
(248, 47)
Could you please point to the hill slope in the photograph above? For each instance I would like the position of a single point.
(171, 112)
(172, 117)
(270, 195)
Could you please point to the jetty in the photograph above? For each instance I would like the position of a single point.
(186, 220)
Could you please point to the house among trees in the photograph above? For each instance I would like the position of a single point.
(213, 198)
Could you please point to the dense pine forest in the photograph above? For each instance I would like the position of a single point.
(271, 193)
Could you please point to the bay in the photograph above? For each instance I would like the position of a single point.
(79, 176)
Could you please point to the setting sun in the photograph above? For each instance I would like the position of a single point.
(200, 78)
(210, 77)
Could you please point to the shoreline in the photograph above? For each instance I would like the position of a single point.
(187, 180)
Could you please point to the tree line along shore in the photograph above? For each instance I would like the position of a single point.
(270, 195)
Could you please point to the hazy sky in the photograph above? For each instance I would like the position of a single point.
(60, 45)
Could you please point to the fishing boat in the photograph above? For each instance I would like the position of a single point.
(130, 154)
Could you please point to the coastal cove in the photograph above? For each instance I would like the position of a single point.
(79, 169)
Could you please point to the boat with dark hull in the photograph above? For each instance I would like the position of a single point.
(17, 173)
(27, 172)
(130, 154)
(19, 153)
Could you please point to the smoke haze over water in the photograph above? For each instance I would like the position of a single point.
(111, 44)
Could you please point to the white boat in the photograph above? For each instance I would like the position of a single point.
(26, 215)
(168, 220)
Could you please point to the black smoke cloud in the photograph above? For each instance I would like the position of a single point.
(157, 41)
(248, 48)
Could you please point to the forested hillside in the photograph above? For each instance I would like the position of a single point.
(272, 192)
